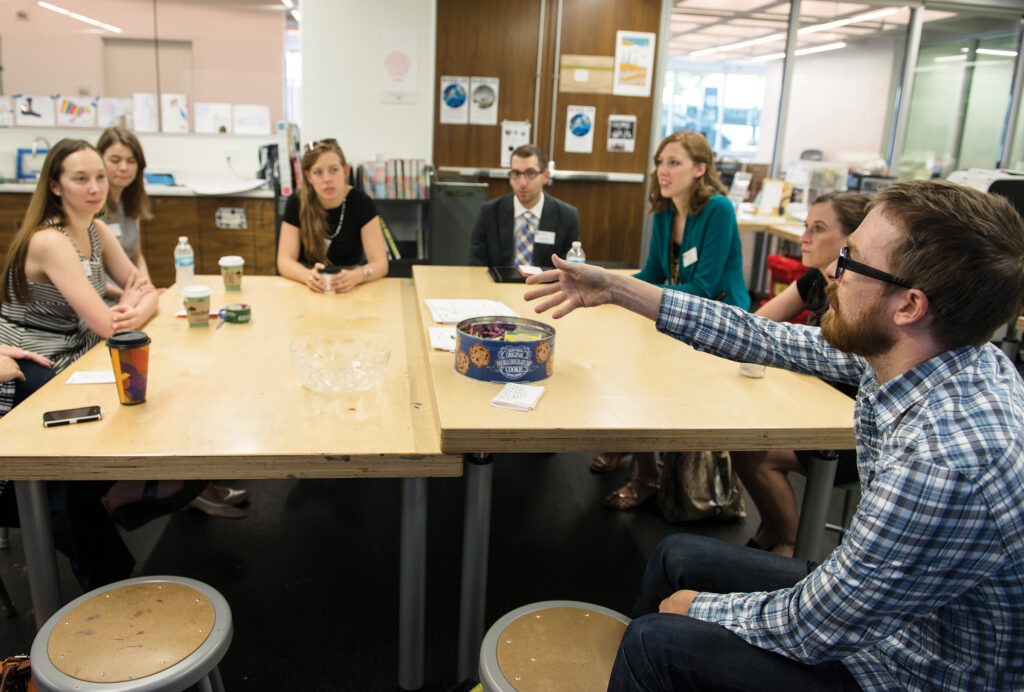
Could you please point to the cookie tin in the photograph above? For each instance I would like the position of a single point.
(504, 349)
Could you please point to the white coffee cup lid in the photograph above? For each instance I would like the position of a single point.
(231, 260)
(196, 291)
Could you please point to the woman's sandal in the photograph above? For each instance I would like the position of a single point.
(631, 495)
(606, 462)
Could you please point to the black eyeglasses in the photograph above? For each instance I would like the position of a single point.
(310, 146)
(529, 174)
(844, 262)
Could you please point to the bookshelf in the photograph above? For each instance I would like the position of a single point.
(400, 189)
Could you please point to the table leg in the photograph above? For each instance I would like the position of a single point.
(412, 583)
(40, 555)
(821, 475)
(759, 265)
(476, 532)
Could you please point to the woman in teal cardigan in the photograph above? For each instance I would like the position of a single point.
(695, 248)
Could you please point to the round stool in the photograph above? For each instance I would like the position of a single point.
(150, 633)
(551, 645)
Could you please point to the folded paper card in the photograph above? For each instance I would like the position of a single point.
(518, 397)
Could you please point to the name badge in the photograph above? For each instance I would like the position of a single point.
(115, 228)
(87, 267)
(544, 238)
(689, 257)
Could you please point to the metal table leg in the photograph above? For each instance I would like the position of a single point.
(40, 554)
(821, 475)
(476, 532)
(412, 583)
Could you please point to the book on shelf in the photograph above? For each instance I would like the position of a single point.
(396, 179)
(389, 240)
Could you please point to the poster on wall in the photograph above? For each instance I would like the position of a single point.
(579, 129)
(483, 100)
(250, 119)
(213, 117)
(33, 111)
(634, 63)
(173, 113)
(454, 100)
(76, 111)
(399, 75)
(111, 112)
(622, 133)
(146, 112)
(514, 134)
(586, 74)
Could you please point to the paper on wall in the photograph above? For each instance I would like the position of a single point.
(399, 75)
(634, 63)
(250, 119)
(514, 134)
(213, 117)
(454, 101)
(76, 111)
(144, 111)
(579, 129)
(173, 113)
(111, 112)
(33, 111)
(483, 95)
(622, 133)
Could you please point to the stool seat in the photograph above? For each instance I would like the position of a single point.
(150, 633)
(551, 645)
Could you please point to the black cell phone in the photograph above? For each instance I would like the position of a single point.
(71, 415)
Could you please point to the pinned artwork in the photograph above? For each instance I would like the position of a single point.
(111, 112)
(173, 113)
(34, 111)
(213, 117)
(579, 129)
(483, 95)
(75, 111)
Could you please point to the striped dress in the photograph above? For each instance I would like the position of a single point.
(47, 324)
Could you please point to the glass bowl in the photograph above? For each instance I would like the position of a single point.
(340, 362)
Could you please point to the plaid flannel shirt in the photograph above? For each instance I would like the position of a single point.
(926, 590)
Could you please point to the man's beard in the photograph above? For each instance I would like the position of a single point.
(865, 337)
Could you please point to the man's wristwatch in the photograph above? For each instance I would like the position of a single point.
(367, 272)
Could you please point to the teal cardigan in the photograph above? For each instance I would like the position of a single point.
(719, 266)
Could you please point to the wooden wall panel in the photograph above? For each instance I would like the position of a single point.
(500, 39)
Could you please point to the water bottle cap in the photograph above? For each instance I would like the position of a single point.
(577, 243)
(182, 238)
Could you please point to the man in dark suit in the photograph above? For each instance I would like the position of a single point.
(524, 227)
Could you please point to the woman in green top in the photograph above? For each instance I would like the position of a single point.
(695, 248)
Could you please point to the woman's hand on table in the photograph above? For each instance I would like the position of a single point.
(125, 318)
(347, 279)
(135, 288)
(315, 281)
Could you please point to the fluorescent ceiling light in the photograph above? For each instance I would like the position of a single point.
(297, 15)
(823, 48)
(80, 17)
(288, 4)
(866, 17)
(742, 44)
(993, 51)
(950, 58)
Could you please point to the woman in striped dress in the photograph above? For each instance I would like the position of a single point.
(51, 297)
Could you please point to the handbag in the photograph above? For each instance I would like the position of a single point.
(699, 485)
(16, 675)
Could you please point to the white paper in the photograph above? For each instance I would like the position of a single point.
(6, 111)
(399, 69)
(634, 63)
(621, 133)
(33, 111)
(518, 397)
(454, 311)
(173, 113)
(144, 111)
(91, 377)
(454, 101)
(213, 117)
(514, 134)
(76, 111)
(483, 96)
(442, 338)
(579, 129)
(111, 112)
(250, 119)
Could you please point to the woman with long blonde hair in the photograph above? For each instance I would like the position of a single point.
(329, 223)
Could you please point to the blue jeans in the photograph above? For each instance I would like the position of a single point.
(670, 652)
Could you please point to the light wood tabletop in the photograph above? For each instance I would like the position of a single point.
(619, 384)
(225, 401)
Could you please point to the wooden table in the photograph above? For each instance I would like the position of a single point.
(225, 402)
(618, 385)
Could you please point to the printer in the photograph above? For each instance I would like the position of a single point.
(999, 181)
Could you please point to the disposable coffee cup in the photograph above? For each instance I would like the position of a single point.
(129, 356)
(197, 305)
(231, 267)
(327, 275)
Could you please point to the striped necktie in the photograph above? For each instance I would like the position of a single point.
(524, 240)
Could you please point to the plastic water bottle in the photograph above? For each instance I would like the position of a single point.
(576, 253)
(184, 264)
